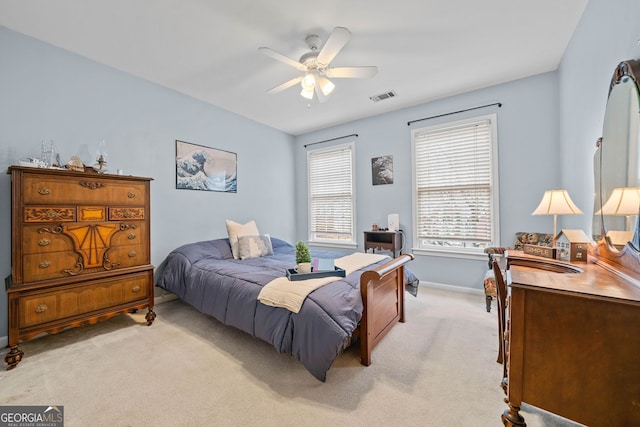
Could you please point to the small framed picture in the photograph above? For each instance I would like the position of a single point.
(382, 170)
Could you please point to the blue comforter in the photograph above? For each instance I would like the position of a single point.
(205, 275)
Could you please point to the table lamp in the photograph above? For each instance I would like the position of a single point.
(556, 202)
(624, 201)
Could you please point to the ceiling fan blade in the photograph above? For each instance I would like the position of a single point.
(352, 72)
(336, 41)
(285, 85)
(280, 57)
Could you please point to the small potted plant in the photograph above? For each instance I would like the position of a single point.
(303, 258)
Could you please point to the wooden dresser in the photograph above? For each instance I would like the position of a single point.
(80, 251)
(573, 342)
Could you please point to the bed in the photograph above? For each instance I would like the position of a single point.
(365, 304)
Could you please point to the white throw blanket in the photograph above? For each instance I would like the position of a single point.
(285, 293)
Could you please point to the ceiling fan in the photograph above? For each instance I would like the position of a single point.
(315, 65)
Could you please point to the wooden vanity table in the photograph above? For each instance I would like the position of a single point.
(573, 342)
(573, 330)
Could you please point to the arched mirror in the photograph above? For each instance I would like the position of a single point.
(617, 162)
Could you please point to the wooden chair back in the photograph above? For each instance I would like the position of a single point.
(501, 288)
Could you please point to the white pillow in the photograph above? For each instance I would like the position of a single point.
(235, 230)
(254, 246)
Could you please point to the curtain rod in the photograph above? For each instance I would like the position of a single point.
(332, 139)
(499, 104)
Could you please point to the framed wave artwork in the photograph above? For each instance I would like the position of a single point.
(204, 168)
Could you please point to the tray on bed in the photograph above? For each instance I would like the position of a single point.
(292, 274)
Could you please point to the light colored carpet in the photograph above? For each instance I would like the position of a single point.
(187, 369)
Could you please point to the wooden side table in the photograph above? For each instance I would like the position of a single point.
(387, 240)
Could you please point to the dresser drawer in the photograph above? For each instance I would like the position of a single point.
(55, 305)
(133, 233)
(91, 213)
(48, 214)
(38, 239)
(42, 189)
(53, 265)
(42, 239)
(48, 265)
(128, 255)
(126, 214)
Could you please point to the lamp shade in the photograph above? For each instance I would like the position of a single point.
(623, 201)
(556, 202)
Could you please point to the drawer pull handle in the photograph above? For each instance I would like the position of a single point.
(44, 264)
(51, 214)
(44, 242)
(44, 191)
(131, 236)
(132, 254)
(136, 288)
(41, 308)
(131, 194)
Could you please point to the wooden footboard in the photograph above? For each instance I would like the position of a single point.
(382, 292)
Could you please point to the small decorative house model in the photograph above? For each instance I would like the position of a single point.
(571, 245)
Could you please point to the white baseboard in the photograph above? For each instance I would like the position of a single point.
(164, 297)
(4, 341)
(452, 288)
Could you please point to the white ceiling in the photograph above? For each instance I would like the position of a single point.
(208, 49)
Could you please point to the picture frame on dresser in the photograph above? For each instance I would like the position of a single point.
(205, 168)
(80, 251)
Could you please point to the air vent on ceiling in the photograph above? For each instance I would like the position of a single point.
(383, 96)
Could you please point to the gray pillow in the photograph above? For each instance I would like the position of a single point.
(254, 246)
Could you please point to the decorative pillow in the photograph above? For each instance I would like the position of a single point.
(254, 246)
(235, 230)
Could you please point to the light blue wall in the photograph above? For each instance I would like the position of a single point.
(607, 34)
(547, 130)
(528, 165)
(48, 93)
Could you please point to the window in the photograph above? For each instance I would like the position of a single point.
(455, 185)
(331, 194)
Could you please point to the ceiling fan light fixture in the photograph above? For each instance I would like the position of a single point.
(307, 93)
(308, 82)
(326, 86)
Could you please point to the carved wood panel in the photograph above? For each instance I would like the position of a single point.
(49, 214)
(126, 214)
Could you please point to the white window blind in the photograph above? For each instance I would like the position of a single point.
(331, 199)
(453, 184)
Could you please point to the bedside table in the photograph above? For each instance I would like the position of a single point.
(387, 240)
